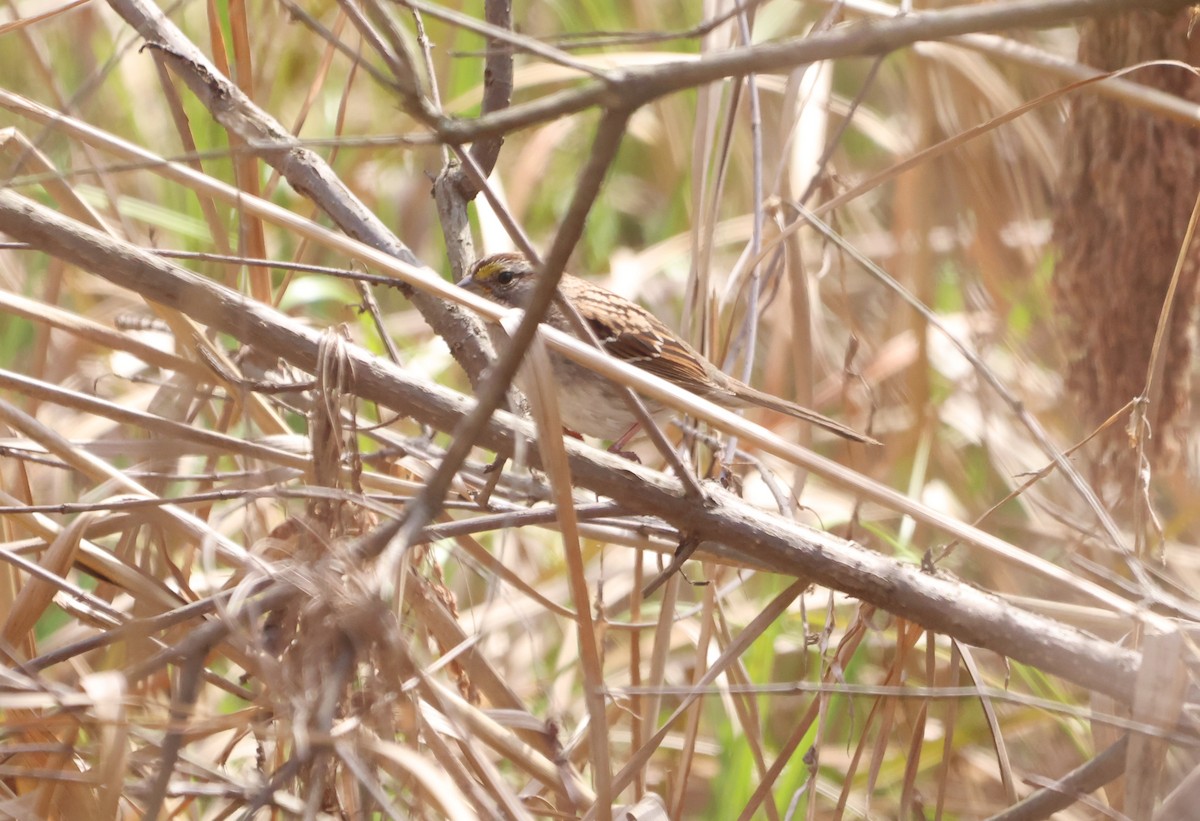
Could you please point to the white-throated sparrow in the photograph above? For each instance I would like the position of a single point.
(588, 402)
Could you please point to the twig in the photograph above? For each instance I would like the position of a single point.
(635, 87)
(497, 95)
(1064, 792)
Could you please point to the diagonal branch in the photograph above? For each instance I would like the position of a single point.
(304, 169)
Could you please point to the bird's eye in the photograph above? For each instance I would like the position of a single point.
(505, 277)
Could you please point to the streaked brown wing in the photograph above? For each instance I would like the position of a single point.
(636, 336)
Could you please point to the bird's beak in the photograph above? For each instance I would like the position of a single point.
(467, 282)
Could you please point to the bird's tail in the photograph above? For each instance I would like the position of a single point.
(766, 400)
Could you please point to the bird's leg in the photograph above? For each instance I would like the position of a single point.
(615, 447)
(618, 446)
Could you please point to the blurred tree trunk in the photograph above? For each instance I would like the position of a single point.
(1129, 183)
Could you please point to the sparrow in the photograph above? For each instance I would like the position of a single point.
(592, 404)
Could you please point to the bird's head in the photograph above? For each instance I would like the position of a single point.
(503, 278)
